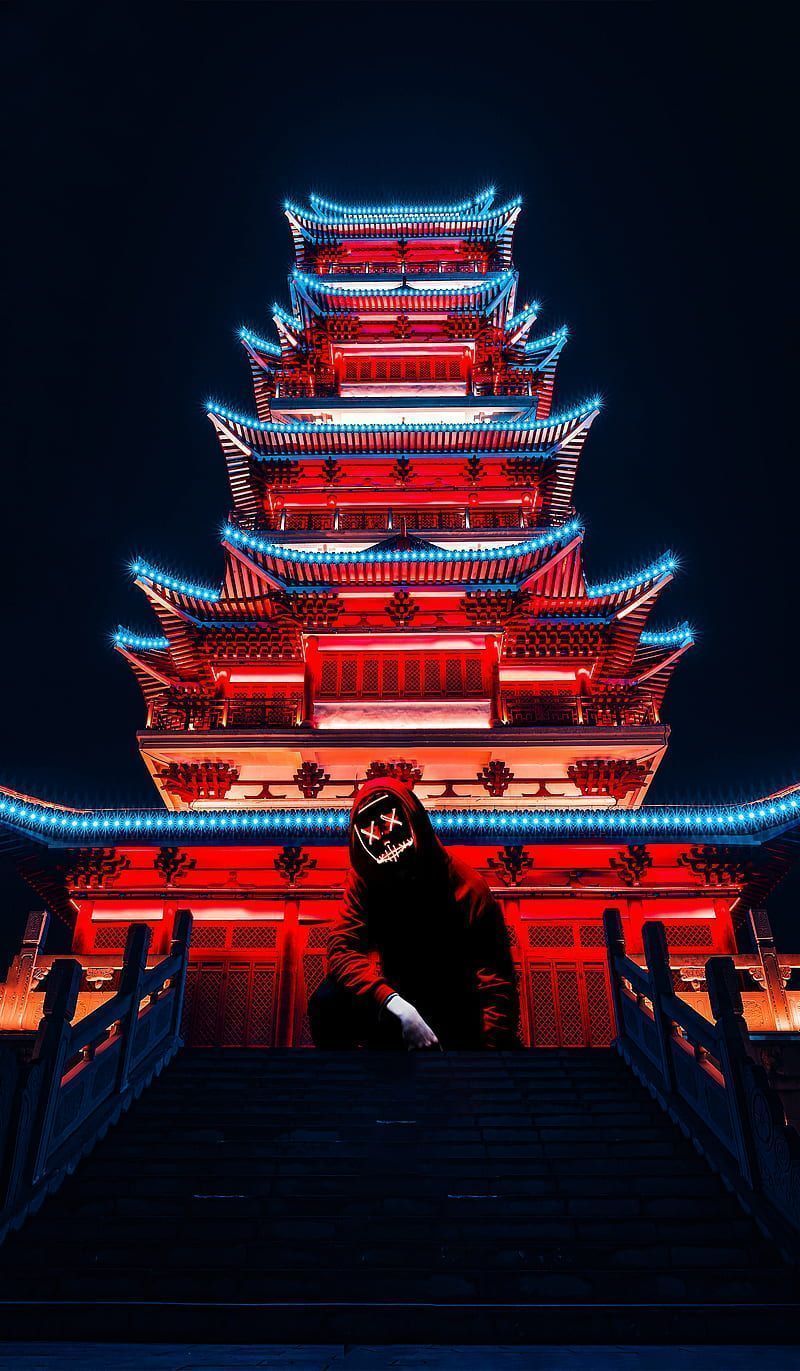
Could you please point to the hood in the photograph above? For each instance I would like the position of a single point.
(432, 855)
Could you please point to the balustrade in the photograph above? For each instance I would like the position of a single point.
(81, 1077)
(707, 1076)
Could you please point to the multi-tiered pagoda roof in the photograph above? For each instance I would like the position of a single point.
(404, 568)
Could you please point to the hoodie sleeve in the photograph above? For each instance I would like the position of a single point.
(494, 976)
(349, 960)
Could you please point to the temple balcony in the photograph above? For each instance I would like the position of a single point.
(460, 270)
(395, 518)
(386, 407)
(449, 747)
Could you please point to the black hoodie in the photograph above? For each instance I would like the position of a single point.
(435, 936)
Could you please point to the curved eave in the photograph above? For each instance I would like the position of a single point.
(540, 353)
(470, 570)
(316, 226)
(294, 439)
(559, 443)
(158, 666)
(770, 821)
(629, 598)
(260, 357)
(322, 296)
(185, 599)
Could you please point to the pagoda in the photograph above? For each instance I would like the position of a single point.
(404, 593)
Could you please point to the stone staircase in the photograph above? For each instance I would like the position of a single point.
(292, 1196)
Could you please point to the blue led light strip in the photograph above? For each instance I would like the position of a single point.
(464, 552)
(528, 311)
(296, 325)
(680, 636)
(139, 642)
(474, 202)
(261, 344)
(663, 567)
(143, 570)
(325, 285)
(751, 818)
(536, 344)
(581, 411)
(329, 213)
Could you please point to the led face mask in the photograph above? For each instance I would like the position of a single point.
(384, 832)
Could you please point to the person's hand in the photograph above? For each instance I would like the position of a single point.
(416, 1032)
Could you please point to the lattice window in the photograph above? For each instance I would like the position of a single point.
(452, 676)
(313, 976)
(550, 935)
(473, 676)
(370, 676)
(598, 1005)
(542, 1008)
(319, 935)
(110, 936)
(592, 935)
(206, 998)
(234, 1007)
(569, 1007)
(262, 1007)
(391, 677)
(209, 935)
(255, 935)
(188, 1003)
(689, 935)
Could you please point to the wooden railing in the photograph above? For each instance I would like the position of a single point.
(58, 1099)
(707, 1077)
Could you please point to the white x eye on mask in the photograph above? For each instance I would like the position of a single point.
(383, 830)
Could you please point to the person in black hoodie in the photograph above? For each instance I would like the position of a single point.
(421, 955)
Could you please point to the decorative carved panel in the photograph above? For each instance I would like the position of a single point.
(399, 769)
(617, 777)
(495, 777)
(511, 864)
(293, 863)
(632, 864)
(199, 780)
(95, 868)
(311, 779)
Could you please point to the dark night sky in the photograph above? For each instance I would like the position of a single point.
(149, 153)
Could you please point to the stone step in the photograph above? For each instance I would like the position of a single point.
(327, 1192)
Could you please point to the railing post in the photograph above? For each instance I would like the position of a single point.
(656, 953)
(181, 939)
(734, 1057)
(615, 948)
(14, 994)
(773, 980)
(50, 1051)
(130, 981)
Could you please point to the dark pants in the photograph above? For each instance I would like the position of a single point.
(341, 1020)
